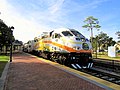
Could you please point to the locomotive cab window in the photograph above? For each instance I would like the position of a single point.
(66, 33)
(77, 34)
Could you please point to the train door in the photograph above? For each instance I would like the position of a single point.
(56, 42)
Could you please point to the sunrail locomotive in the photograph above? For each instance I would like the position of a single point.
(66, 46)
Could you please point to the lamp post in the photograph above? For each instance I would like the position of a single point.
(10, 51)
(11, 42)
(96, 45)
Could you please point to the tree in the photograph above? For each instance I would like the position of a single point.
(91, 23)
(6, 35)
(104, 41)
(3, 28)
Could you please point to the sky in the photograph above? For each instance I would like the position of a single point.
(32, 17)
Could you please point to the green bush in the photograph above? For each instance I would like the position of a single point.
(3, 61)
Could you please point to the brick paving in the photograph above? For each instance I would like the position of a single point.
(29, 73)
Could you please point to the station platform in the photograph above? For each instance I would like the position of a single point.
(28, 72)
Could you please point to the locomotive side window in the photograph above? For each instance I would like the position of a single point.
(53, 36)
(56, 35)
(45, 36)
(66, 33)
(36, 40)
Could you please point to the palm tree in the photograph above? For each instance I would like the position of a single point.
(91, 23)
(118, 33)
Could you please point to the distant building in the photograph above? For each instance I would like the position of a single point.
(17, 46)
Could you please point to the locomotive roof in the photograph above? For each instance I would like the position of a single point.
(63, 29)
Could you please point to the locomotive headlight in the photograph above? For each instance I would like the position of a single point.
(90, 57)
(72, 57)
(76, 47)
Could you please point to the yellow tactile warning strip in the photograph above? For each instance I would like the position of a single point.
(100, 82)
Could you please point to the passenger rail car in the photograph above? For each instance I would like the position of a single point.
(66, 46)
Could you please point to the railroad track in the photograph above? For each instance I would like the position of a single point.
(103, 74)
(108, 65)
(105, 69)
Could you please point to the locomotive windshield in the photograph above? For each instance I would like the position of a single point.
(66, 33)
(77, 34)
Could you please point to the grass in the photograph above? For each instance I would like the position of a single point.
(3, 61)
(105, 56)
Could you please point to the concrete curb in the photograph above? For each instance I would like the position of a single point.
(4, 75)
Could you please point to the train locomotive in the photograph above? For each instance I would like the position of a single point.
(65, 46)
